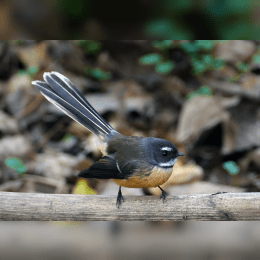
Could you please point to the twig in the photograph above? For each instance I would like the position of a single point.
(35, 206)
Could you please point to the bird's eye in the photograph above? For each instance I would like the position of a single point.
(164, 153)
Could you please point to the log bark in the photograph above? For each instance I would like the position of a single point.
(67, 207)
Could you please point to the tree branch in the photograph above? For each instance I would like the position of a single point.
(56, 207)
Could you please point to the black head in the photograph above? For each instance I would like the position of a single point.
(160, 152)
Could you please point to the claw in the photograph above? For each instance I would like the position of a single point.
(163, 195)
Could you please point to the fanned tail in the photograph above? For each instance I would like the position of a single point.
(60, 91)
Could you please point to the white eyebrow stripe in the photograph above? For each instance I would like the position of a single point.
(169, 163)
(166, 148)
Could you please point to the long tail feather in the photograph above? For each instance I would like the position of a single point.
(62, 93)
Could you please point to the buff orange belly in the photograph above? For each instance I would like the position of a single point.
(156, 178)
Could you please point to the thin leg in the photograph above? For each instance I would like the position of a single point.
(164, 194)
(120, 197)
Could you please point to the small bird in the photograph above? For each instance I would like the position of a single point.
(131, 161)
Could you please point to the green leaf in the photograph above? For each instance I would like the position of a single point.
(198, 66)
(152, 58)
(13, 162)
(164, 28)
(231, 167)
(22, 72)
(243, 67)
(16, 164)
(219, 63)
(208, 59)
(192, 95)
(189, 47)
(94, 47)
(100, 74)
(207, 45)
(97, 73)
(203, 91)
(90, 47)
(32, 70)
(256, 58)
(165, 67)
(21, 169)
(195, 46)
(164, 44)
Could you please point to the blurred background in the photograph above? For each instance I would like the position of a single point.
(202, 95)
(144, 19)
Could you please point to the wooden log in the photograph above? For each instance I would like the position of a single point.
(67, 207)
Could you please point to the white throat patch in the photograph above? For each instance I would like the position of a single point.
(169, 163)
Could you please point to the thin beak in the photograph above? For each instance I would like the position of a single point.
(180, 154)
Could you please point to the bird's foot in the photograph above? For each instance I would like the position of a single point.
(120, 198)
(219, 192)
(163, 195)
